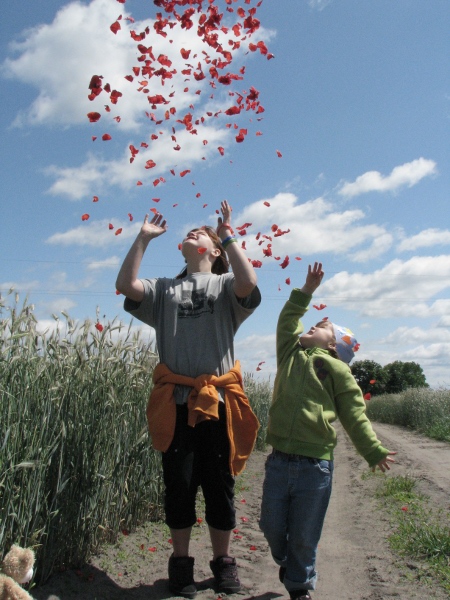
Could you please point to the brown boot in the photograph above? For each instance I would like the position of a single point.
(181, 576)
(226, 574)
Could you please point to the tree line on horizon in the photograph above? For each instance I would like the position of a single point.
(393, 378)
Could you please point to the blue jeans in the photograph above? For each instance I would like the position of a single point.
(296, 493)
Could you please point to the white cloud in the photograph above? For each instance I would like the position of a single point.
(18, 287)
(255, 349)
(316, 227)
(416, 335)
(407, 174)
(59, 305)
(98, 174)
(319, 4)
(399, 289)
(100, 265)
(96, 234)
(425, 239)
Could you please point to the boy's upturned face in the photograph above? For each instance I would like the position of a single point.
(319, 336)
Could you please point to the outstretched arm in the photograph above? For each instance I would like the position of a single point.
(127, 281)
(383, 465)
(245, 279)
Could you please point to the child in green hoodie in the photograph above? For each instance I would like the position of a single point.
(313, 387)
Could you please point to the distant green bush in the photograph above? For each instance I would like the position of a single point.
(422, 409)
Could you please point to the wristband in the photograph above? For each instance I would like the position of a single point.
(227, 241)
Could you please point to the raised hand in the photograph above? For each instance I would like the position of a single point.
(156, 227)
(313, 278)
(224, 222)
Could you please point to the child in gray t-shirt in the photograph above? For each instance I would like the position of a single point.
(196, 316)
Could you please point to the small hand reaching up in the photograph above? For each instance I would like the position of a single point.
(313, 279)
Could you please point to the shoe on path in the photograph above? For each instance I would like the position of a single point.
(181, 576)
(225, 573)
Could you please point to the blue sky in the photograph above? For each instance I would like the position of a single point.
(356, 100)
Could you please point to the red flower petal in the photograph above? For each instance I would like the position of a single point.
(221, 150)
(285, 262)
(266, 203)
(99, 327)
(106, 137)
(84, 217)
(288, 281)
(372, 381)
(279, 154)
(118, 231)
(93, 117)
(110, 226)
(95, 199)
(319, 306)
(367, 396)
(115, 27)
(201, 250)
(183, 173)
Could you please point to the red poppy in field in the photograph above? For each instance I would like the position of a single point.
(99, 327)
(84, 217)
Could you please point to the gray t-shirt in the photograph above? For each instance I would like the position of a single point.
(195, 319)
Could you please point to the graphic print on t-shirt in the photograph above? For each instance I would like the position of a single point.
(196, 305)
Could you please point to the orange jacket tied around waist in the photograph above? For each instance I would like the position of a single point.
(203, 404)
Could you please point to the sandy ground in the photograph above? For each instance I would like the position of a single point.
(354, 561)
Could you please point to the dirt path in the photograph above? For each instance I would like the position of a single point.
(354, 561)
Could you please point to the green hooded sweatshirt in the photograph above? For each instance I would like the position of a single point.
(312, 389)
